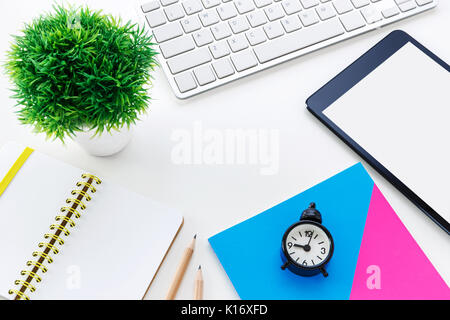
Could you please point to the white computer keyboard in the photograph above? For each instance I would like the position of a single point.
(207, 43)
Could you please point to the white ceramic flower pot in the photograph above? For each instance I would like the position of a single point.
(106, 144)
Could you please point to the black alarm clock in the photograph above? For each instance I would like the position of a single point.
(307, 246)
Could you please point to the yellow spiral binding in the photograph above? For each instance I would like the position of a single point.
(69, 209)
(60, 227)
(55, 238)
(44, 255)
(67, 219)
(87, 175)
(25, 284)
(87, 184)
(48, 245)
(38, 265)
(84, 194)
(20, 294)
(31, 274)
(78, 202)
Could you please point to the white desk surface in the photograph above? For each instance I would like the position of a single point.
(215, 197)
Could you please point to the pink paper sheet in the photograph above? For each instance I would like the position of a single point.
(391, 264)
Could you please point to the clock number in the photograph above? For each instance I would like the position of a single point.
(323, 250)
(305, 263)
(309, 233)
(289, 245)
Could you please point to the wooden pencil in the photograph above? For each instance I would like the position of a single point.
(198, 291)
(181, 270)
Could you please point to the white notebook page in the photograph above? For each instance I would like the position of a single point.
(114, 250)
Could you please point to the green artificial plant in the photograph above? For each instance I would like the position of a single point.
(76, 69)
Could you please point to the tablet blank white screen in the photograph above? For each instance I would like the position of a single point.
(400, 114)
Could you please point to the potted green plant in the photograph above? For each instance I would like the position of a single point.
(82, 74)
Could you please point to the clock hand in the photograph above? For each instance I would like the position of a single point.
(310, 239)
(305, 247)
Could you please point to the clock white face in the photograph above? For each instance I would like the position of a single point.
(308, 245)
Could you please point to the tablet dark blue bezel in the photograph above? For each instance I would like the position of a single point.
(348, 78)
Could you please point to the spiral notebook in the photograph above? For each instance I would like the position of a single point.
(68, 234)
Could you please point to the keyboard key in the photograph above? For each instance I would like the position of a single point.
(390, 12)
(192, 6)
(185, 82)
(209, 18)
(273, 30)
(190, 24)
(352, 21)
(210, 3)
(174, 12)
(223, 68)
(360, 3)
(308, 17)
(238, 43)
(257, 18)
(177, 46)
(326, 11)
(244, 6)
(291, 23)
(204, 75)
(155, 18)
(150, 6)
(291, 6)
(371, 14)
(309, 3)
(239, 24)
(244, 60)
(168, 31)
(406, 6)
(262, 3)
(189, 60)
(221, 31)
(168, 2)
(298, 40)
(202, 37)
(342, 6)
(274, 12)
(227, 11)
(423, 2)
(255, 36)
(219, 49)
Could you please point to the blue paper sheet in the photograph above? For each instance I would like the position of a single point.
(250, 251)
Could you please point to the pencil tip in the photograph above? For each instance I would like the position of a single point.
(195, 236)
(199, 267)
